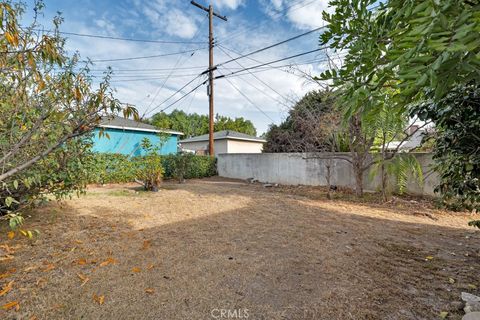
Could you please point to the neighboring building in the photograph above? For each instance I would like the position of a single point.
(125, 137)
(226, 141)
(415, 140)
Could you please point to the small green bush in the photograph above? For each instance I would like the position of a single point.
(118, 168)
(112, 168)
(149, 170)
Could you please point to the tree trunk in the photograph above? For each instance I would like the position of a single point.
(384, 182)
(358, 180)
(329, 165)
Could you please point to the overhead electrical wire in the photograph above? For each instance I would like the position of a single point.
(147, 57)
(270, 46)
(173, 69)
(184, 96)
(120, 38)
(260, 80)
(248, 99)
(278, 15)
(271, 62)
(177, 91)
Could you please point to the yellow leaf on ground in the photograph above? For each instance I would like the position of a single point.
(11, 305)
(443, 314)
(99, 299)
(149, 290)
(472, 286)
(107, 262)
(28, 269)
(81, 261)
(428, 258)
(146, 244)
(39, 281)
(136, 269)
(11, 235)
(78, 241)
(150, 266)
(49, 267)
(84, 279)
(6, 289)
(7, 249)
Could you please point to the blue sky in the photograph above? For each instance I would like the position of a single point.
(252, 24)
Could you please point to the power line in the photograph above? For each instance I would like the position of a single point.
(147, 57)
(260, 80)
(173, 69)
(183, 97)
(152, 69)
(175, 93)
(248, 99)
(271, 46)
(278, 15)
(120, 38)
(271, 62)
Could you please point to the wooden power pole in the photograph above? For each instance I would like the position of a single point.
(211, 13)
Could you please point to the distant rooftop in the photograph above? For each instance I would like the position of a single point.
(225, 134)
(128, 124)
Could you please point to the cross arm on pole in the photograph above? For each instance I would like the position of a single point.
(207, 10)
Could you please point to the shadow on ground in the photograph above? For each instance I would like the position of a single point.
(210, 245)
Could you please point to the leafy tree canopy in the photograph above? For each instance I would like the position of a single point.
(194, 124)
(309, 126)
(409, 45)
(49, 106)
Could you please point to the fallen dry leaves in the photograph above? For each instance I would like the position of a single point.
(136, 269)
(11, 305)
(8, 273)
(40, 281)
(99, 299)
(11, 235)
(150, 291)
(84, 278)
(80, 261)
(150, 266)
(107, 262)
(49, 267)
(6, 288)
(146, 244)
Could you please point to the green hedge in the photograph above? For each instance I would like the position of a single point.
(118, 168)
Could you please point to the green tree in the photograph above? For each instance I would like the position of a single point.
(457, 145)
(308, 127)
(194, 124)
(407, 45)
(421, 50)
(48, 110)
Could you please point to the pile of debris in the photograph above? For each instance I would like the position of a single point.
(472, 306)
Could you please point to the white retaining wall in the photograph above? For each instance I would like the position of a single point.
(310, 169)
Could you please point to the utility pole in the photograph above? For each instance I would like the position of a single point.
(211, 13)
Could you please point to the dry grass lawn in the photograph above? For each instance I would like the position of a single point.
(191, 250)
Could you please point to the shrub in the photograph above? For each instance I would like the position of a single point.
(117, 168)
(112, 168)
(149, 170)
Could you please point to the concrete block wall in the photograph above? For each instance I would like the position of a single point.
(310, 169)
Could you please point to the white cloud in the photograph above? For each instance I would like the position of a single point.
(183, 21)
(230, 4)
(178, 24)
(305, 14)
(309, 16)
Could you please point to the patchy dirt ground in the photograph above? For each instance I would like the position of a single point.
(209, 247)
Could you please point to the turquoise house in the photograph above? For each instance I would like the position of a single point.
(125, 137)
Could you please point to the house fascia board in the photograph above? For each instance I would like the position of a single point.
(223, 138)
(141, 129)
